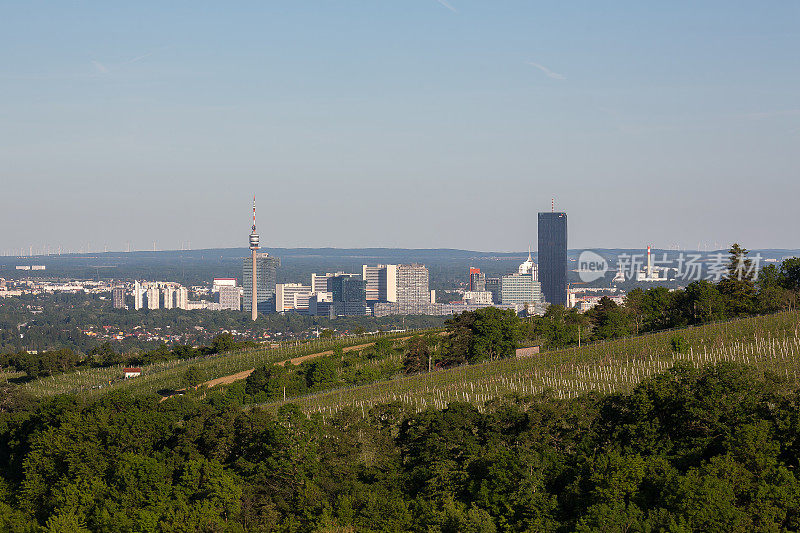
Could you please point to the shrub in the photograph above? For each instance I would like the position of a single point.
(679, 344)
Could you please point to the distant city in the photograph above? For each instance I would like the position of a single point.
(385, 289)
(378, 290)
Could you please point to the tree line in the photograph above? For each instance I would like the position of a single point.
(48, 363)
(716, 449)
(740, 292)
(51, 322)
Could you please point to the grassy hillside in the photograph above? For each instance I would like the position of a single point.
(770, 343)
(168, 375)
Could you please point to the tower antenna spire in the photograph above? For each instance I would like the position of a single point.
(254, 273)
(552, 205)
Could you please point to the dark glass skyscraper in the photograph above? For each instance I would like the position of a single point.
(553, 257)
(266, 276)
(348, 294)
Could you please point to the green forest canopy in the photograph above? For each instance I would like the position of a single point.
(688, 450)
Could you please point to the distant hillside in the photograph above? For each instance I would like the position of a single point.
(447, 266)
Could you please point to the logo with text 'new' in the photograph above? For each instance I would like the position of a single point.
(591, 266)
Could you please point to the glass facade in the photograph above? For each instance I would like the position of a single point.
(553, 257)
(266, 277)
(349, 295)
(477, 280)
(493, 286)
(519, 289)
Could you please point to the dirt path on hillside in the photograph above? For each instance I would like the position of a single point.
(227, 380)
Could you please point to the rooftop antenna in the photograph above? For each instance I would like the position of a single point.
(254, 213)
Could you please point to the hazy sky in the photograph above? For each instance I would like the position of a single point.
(413, 123)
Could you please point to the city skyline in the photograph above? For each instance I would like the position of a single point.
(155, 122)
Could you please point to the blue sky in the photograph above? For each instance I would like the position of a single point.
(386, 123)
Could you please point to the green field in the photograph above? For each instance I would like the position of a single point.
(168, 375)
(770, 343)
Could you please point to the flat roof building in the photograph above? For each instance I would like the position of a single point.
(371, 277)
(478, 297)
(319, 282)
(519, 289)
(412, 284)
(292, 297)
(230, 297)
(380, 282)
(477, 280)
(320, 304)
(348, 294)
(222, 282)
(553, 256)
(118, 297)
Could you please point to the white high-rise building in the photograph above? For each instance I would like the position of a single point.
(222, 282)
(138, 295)
(380, 282)
(371, 277)
(153, 297)
(169, 297)
(182, 298)
(404, 290)
(387, 283)
(319, 283)
(291, 296)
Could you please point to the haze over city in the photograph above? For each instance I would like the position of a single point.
(399, 124)
(425, 266)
